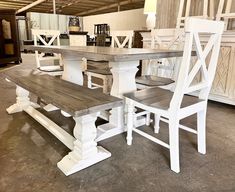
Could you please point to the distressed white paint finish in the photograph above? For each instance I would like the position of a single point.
(166, 67)
(128, 35)
(123, 82)
(73, 68)
(22, 101)
(85, 152)
(107, 79)
(184, 86)
(55, 38)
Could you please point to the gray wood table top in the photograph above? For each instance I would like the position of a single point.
(97, 53)
(74, 99)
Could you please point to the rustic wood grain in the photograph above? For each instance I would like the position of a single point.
(159, 98)
(74, 99)
(150, 80)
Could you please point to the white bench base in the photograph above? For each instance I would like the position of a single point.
(69, 165)
(84, 149)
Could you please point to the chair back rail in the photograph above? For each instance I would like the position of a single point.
(128, 35)
(54, 35)
(184, 84)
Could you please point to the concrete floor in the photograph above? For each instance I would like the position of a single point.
(29, 153)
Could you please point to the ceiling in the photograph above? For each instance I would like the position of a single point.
(74, 7)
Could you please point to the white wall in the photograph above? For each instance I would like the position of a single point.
(49, 21)
(123, 20)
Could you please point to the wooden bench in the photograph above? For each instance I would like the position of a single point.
(80, 102)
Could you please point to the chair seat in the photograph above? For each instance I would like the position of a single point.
(100, 71)
(153, 81)
(159, 98)
(54, 68)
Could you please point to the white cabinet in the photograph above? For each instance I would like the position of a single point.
(77, 40)
(223, 88)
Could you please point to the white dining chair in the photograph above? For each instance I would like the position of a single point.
(105, 74)
(47, 63)
(171, 107)
(160, 72)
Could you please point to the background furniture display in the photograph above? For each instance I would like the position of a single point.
(171, 107)
(101, 29)
(9, 40)
(184, 11)
(224, 11)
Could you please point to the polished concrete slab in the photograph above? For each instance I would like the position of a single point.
(29, 153)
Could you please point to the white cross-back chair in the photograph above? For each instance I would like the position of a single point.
(184, 12)
(105, 74)
(161, 72)
(42, 58)
(224, 12)
(172, 107)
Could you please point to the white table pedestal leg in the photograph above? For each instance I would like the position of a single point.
(73, 70)
(123, 82)
(72, 73)
(85, 152)
(22, 101)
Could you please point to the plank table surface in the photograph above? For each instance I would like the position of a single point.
(74, 99)
(97, 53)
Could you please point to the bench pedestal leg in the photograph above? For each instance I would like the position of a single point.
(22, 101)
(85, 152)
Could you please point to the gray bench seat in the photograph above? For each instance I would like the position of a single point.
(80, 102)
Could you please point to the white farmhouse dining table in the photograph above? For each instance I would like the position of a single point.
(123, 63)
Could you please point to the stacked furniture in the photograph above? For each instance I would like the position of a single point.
(9, 40)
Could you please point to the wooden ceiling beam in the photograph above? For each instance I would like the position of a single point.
(30, 5)
(114, 5)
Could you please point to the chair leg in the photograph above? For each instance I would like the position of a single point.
(89, 82)
(174, 144)
(201, 131)
(130, 122)
(148, 119)
(105, 85)
(156, 123)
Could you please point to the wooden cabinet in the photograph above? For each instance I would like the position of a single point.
(9, 41)
(223, 88)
